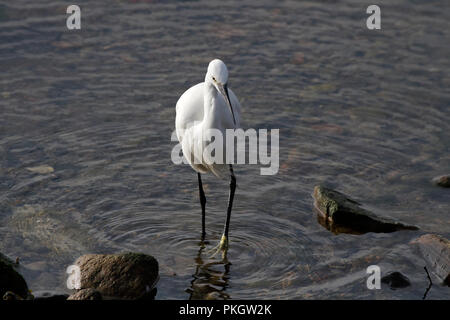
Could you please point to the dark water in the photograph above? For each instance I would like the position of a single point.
(366, 112)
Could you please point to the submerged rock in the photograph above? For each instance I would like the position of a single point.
(442, 181)
(44, 169)
(436, 252)
(86, 294)
(121, 276)
(11, 280)
(338, 213)
(396, 280)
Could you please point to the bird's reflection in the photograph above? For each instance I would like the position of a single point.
(210, 279)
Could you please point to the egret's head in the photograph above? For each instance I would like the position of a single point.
(217, 72)
(217, 75)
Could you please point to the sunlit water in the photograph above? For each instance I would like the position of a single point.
(366, 112)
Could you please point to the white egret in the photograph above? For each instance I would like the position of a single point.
(208, 105)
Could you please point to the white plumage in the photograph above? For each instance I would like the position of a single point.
(203, 107)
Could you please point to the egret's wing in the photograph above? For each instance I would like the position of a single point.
(189, 109)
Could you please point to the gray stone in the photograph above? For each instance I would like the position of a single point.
(122, 276)
(442, 181)
(436, 252)
(339, 213)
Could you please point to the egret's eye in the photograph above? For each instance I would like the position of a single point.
(214, 78)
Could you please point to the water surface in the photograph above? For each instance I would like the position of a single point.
(365, 112)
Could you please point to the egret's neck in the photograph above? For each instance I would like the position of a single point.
(208, 99)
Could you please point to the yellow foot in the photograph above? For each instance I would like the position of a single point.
(221, 247)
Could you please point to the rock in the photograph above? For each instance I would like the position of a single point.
(44, 169)
(10, 279)
(86, 294)
(339, 213)
(396, 280)
(122, 276)
(298, 58)
(11, 296)
(442, 181)
(436, 252)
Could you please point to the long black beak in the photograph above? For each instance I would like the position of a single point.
(224, 91)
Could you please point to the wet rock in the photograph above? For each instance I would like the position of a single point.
(86, 294)
(44, 169)
(396, 280)
(436, 252)
(298, 58)
(442, 181)
(338, 213)
(121, 276)
(10, 279)
(11, 296)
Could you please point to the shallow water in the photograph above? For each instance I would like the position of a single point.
(365, 112)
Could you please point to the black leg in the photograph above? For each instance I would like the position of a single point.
(230, 201)
(203, 203)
